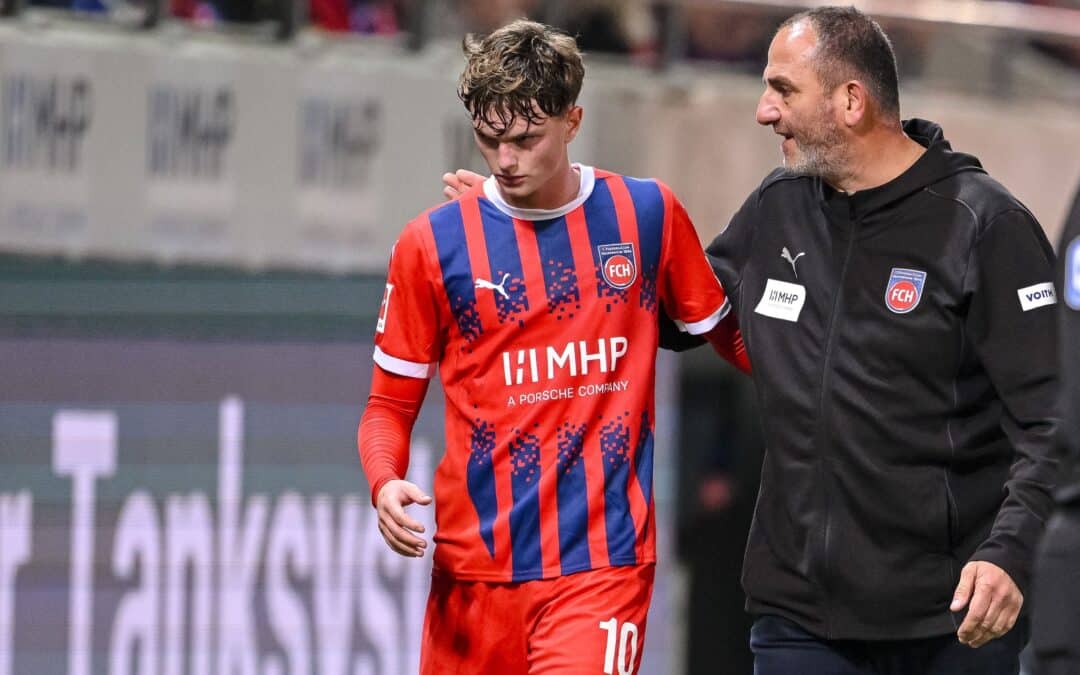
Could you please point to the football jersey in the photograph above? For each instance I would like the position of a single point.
(543, 325)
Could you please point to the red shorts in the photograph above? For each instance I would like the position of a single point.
(589, 622)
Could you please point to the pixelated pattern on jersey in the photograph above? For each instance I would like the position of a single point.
(615, 452)
(643, 458)
(649, 207)
(560, 275)
(603, 229)
(504, 258)
(573, 499)
(525, 513)
(643, 464)
(449, 232)
(514, 307)
(481, 480)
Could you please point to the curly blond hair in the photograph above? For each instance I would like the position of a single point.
(524, 69)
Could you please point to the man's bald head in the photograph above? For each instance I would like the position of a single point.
(852, 46)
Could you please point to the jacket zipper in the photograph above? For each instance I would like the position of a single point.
(822, 424)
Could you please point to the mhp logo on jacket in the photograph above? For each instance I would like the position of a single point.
(904, 290)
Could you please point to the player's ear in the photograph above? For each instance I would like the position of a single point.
(573, 122)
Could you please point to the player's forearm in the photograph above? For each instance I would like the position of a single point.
(386, 425)
(727, 340)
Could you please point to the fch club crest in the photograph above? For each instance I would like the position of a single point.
(617, 264)
(904, 290)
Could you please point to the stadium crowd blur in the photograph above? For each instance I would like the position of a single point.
(735, 37)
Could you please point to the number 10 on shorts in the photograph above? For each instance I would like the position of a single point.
(627, 640)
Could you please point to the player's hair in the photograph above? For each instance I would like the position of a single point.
(524, 69)
(852, 46)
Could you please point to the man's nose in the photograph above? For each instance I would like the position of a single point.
(767, 110)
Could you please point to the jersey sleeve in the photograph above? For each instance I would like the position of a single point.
(408, 335)
(688, 288)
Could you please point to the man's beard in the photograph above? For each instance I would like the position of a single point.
(821, 150)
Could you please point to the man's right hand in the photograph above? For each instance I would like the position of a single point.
(459, 182)
(394, 524)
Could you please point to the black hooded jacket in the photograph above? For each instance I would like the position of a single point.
(904, 347)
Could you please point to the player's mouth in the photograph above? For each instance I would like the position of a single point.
(509, 181)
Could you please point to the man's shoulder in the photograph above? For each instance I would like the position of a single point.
(982, 195)
(782, 177)
(780, 181)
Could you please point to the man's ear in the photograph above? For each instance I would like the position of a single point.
(854, 102)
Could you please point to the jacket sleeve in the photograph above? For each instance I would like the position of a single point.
(730, 250)
(1012, 324)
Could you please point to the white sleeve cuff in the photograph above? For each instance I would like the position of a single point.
(706, 324)
(421, 371)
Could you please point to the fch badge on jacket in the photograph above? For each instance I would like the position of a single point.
(904, 290)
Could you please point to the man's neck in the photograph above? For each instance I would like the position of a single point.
(879, 158)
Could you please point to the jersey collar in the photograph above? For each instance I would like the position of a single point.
(588, 180)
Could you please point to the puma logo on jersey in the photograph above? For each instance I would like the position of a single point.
(498, 288)
(786, 255)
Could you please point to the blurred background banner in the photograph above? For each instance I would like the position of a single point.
(47, 105)
(191, 155)
(180, 507)
(341, 150)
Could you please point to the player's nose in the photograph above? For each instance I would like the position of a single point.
(507, 158)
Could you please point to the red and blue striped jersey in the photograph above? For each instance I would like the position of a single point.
(544, 328)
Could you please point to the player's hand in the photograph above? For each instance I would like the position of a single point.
(395, 525)
(459, 182)
(993, 601)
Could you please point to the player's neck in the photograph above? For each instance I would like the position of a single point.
(561, 189)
